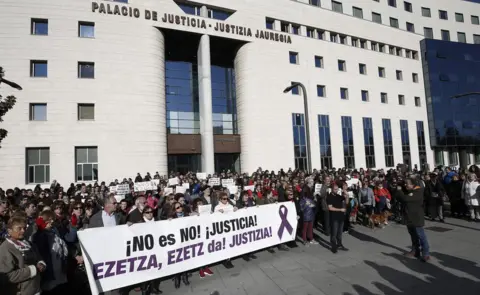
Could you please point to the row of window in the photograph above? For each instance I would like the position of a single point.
(300, 149)
(38, 112)
(38, 164)
(39, 69)
(342, 66)
(335, 37)
(39, 26)
(195, 9)
(410, 27)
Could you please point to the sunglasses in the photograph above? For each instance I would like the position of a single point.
(149, 212)
(176, 208)
(78, 208)
(224, 199)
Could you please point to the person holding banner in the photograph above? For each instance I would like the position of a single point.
(177, 212)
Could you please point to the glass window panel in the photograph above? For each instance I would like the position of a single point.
(92, 155)
(31, 174)
(47, 173)
(81, 155)
(40, 174)
(45, 156)
(86, 30)
(33, 156)
(87, 172)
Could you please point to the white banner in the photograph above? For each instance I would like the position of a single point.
(249, 188)
(201, 175)
(145, 186)
(227, 182)
(146, 251)
(232, 189)
(180, 189)
(123, 189)
(214, 181)
(173, 181)
(168, 190)
(318, 187)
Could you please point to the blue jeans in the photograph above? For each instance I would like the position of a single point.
(419, 240)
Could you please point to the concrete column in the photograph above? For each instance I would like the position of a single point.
(205, 101)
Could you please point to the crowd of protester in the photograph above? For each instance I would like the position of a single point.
(40, 253)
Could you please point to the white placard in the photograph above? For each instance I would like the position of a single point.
(144, 186)
(147, 251)
(214, 181)
(122, 189)
(351, 182)
(180, 189)
(167, 190)
(227, 182)
(201, 175)
(173, 181)
(204, 209)
(186, 185)
(112, 188)
(318, 187)
(232, 189)
(249, 188)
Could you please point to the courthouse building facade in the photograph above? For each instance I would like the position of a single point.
(112, 88)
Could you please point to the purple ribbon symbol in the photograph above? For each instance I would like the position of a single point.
(285, 224)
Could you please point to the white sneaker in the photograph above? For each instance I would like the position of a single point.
(313, 242)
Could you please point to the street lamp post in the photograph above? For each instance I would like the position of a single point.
(307, 120)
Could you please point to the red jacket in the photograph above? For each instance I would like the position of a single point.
(381, 192)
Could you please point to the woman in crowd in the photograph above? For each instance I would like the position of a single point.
(471, 196)
(307, 205)
(367, 202)
(382, 199)
(177, 212)
(54, 251)
(20, 263)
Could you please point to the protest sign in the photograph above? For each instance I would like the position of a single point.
(186, 185)
(112, 188)
(144, 186)
(180, 189)
(204, 209)
(227, 182)
(173, 181)
(214, 181)
(249, 188)
(201, 175)
(147, 251)
(351, 182)
(318, 187)
(122, 189)
(232, 189)
(168, 190)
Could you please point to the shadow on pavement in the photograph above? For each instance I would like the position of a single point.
(462, 226)
(366, 238)
(437, 280)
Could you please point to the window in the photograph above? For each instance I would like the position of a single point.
(410, 27)
(415, 77)
(321, 91)
(269, 23)
(376, 17)
(320, 35)
(357, 12)
(325, 143)
(442, 14)
(439, 157)
(314, 2)
(296, 89)
(343, 39)
(86, 111)
(342, 66)
(299, 141)
(383, 97)
(417, 101)
(39, 26)
(310, 32)
(86, 70)
(392, 3)
(381, 72)
(187, 8)
(405, 142)
(38, 68)
(415, 54)
(284, 27)
(363, 44)
(365, 95)
(476, 39)
(388, 142)
(354, 42)
(462, 38)
(428, 33)
(426, 12)
(86, 29)
(399, 51)
(407, 6)
(445, 35)
(452, 158)
(369, 142)
(475, 20)
(38, 112)
(381, 47)
(394, 22)
(399, 75)
(295, 29)
(333, 37)
(374, 46)
(343, 93)
(391, 49)
(408, 53)
(318, 61)
(362, 68)
(459, 17)
(218, 14)
(337, 6)
(348, 145)
(38, 165)
(401, 100)
(86, 160)
(293, 57)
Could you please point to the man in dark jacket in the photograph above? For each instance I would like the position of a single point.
(323, 215)
(414, 218)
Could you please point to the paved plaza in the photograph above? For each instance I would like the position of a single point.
(374, 265)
